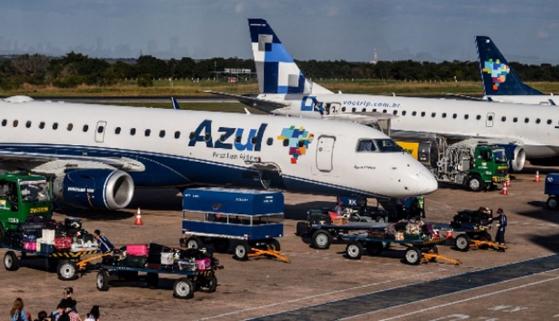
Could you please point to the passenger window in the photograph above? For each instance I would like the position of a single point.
(454, 116)
(100, 129)
(69, 127)
(286, 142)
(4, 122)
(538, 120)
(374, 110)
(353, 109)
(413, 113)
(343, 108)
(366, 145)
(466, 116)
(549, 121)
(269, 141)
(161, 133)
(15, 123)
(28, 124)
(147, 132)
(503, 119)
(132, 131)
(422, 114)
(490, 117)
(478, 117)
(384, 111)
(55, 126)
(403, 113)
(444, 115)
(42, 125)
(117, 130)
(177, 134)
(433, 115)
(526, 120)
(395, 112)
(85, 128)
(364, 109)
(515, 119)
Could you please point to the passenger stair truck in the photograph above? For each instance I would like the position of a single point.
(473, 163)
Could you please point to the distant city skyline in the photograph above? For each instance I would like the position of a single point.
(429, 30)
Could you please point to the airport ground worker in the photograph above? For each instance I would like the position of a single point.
(501, 226)
(104, 242)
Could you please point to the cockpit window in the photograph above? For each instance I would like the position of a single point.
(387, 145)
(366, 145)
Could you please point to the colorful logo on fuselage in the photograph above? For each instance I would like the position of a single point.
(498, 72)
(297, 140)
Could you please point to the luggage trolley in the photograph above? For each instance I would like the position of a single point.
(244, 222)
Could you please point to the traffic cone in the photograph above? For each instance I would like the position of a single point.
(138, 220)
(537, 179)
(505, 190)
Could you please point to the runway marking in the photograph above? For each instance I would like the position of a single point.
(464, 300)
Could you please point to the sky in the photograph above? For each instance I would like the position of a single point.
(433, 30)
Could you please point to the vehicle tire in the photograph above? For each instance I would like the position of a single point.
(321, 240)
(354, 250)
(462, 243)
(67, 270)
(412, 256)
(208, 283)
(475, 184)
(11, 261)
(194, 243)
(152, 280)
(183, 289)
(552, 203)
(102, 280)
(302, 229)
(375, 248)
(240, 251)
(274, 245)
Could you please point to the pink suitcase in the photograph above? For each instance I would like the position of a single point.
(137, 249)
(30, 246)
(203, 264)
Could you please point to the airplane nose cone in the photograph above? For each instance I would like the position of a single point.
(418, 180)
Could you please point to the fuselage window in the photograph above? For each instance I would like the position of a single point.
(444, 115)
(147, 132)
(490, 117)
(454, 116)
(387, 145)
(374, 110)
(478, 117)
(4, 122)
(413, 113)
(515, 119)
(177, 134)
(343, 108)
(395, 112)
(366, 145)
(286, 142)
(538, 120)
(526, 120)
(161, 133)
(466, 116)
(28, 124)
(117, 130)
(100, 129)
(270, 141)
(85, 128)
(422, 114)
(433, 115)
(384, 111)
(403, 113)
(549, 121)
(15, 123)
(364, 109)
(132, 131)
(42, 125)
(70, 127)
(503, 119)
(353, 109)
(55, 126)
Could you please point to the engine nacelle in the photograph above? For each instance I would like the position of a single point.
(517, 163)
(95, 188)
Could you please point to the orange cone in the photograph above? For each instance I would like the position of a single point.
(537, 179)
(505, 190)
(138, 220)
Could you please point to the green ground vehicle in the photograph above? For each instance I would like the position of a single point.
(23, 195)
(473, 163)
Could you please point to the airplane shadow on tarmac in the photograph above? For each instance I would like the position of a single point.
(299, 211)
(540, 212)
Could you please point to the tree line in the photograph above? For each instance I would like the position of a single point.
(75, 69)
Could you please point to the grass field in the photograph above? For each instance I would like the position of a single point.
(189, 88)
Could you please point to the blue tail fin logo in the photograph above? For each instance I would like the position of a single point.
(496, 73)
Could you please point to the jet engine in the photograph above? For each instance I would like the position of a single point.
(517, 163)
(95, 188)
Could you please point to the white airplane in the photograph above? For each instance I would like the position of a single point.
(501, 83)
(285, 90)
(98, 154)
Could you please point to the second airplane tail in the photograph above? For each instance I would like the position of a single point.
(276, 70)
(497, 76)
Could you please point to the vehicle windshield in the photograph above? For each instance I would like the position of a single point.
(500, 155)
(34, 191)
(387, 145)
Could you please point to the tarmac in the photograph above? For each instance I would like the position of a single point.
(520, 284)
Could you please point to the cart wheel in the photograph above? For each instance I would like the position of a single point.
(354, 250)
(152, 279)
(67, 270)
(321, 240)
(274, 245)
(11, 262)
(552, 203)
(183, 289)
(240, 252)
(462, 243)
(194, 243)
(413, 256)
(102, 280)
(375, 248)
(208, 283)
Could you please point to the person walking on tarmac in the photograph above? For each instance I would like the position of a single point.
(501, 226)
(104, 242)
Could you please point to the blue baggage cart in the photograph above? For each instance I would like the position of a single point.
(552, 190)
(232, 220)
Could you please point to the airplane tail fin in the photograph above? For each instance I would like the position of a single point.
(276, 70)
(497, 76)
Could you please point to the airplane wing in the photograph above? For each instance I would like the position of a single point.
(466, 97)
(263, 105)
(365, 118)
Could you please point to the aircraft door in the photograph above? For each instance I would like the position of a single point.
(100, 129)
(489, 119)
(324, 153)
